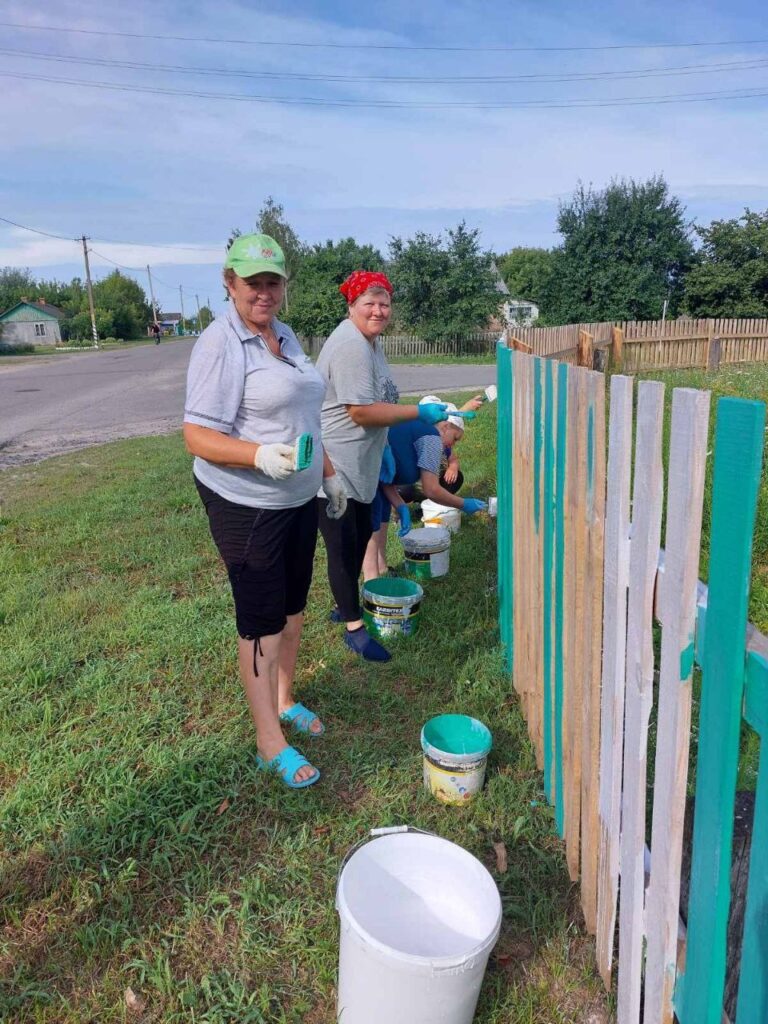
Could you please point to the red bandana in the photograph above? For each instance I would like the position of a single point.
(360, 281)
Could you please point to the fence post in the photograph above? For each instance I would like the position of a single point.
(738, 456)
(713, 353)
(617, 349)
(584, 352)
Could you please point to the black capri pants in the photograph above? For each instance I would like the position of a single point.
(345, 541)
(268, 553)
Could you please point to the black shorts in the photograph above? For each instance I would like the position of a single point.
(268, 553)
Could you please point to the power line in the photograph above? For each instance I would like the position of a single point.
(47, 234)
(710, 67)
(108, 241)
(312, 101)
(166, 37)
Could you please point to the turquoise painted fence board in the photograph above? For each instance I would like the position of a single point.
(538, 437)
(505, 518)
(560, 464)
(738, 454)
(752, 1002)
(548, 557)
(509, 370)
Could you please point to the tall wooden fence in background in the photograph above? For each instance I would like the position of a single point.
(582, 575)
(655, 344)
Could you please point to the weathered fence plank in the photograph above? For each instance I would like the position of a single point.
(738, 455)
(615, 583)
(687, 465)
(560, 503)
(594, 511)
(643, 560)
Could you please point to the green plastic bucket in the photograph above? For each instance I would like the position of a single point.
(392, 606)
(456, 749)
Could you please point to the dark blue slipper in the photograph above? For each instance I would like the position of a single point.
(360, 642)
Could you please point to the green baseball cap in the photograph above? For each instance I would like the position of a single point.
(255, 254)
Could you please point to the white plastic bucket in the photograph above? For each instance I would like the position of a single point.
(419, 917)
(427, 553)
(440, 515)
(493, 507)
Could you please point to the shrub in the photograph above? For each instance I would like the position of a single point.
(15, 350)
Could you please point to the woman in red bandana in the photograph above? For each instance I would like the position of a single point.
(361, 402)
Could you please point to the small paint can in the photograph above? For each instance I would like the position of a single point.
(493, 507)
(427, 552)
(456, 749)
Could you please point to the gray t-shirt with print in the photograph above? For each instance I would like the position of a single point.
(236, 386)
(356, 372)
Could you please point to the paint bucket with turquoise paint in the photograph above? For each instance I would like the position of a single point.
(456, 749)
(392, 606)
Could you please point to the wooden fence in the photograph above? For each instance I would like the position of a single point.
(582, 575)
(404, 345)
(657, 344)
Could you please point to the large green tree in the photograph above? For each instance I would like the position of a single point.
(125, 300)
(316, 304)
(526, 272)
(731, 276)
(444, 287)
(625, 251)
(15, 285)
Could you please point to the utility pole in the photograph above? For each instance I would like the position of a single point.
(199, 317)
(90, 292)
(152, 294)
(181, 299)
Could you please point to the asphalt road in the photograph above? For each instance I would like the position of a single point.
(56, 404)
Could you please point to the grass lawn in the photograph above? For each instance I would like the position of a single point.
(139, 846)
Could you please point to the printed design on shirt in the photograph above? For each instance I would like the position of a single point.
(388, 391)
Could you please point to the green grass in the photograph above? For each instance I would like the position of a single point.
(140, 848)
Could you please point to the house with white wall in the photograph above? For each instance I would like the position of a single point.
(31, 323)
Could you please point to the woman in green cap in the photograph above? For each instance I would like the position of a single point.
(251, 393)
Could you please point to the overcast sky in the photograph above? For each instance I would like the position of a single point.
(180, 170)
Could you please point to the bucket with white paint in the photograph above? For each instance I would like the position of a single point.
(456, 749)
(440, 515)
(427, 552)
(419, 917)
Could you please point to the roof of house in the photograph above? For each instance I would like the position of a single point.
(166, 318)
(39, 306)
(501, 284)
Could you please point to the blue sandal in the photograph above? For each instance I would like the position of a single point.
(301, 719)
(286, 764)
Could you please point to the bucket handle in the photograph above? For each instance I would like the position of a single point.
(376, 833)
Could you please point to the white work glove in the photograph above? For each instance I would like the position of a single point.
(337, 499)
(275, 460)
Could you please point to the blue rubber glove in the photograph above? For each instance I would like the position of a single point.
(405, 520)
(387, 471)
(433, 412)
(472, 505)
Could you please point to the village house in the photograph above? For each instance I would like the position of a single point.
(31, 323)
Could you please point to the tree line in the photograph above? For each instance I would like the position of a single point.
(626, 252)
(121, 307)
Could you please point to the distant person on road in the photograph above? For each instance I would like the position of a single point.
(251, 392)
(360, 404)
(156, 332)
